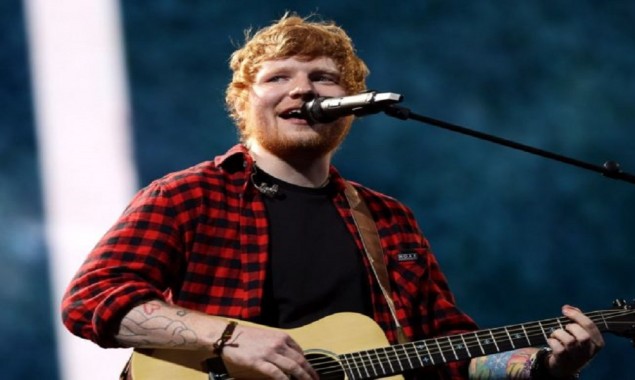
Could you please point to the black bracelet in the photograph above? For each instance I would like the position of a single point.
(224, 338)
(540, 368)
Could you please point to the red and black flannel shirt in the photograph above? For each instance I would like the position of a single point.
(198, 238)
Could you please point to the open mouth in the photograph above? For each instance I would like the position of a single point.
(294, 113)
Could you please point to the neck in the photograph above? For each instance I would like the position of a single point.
(300, 171)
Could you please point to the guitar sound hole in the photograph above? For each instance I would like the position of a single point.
(326, 366)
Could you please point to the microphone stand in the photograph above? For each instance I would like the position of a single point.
(610, 169)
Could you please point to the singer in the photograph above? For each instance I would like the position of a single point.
(207, 260)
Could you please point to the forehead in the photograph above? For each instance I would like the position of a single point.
(296, 63)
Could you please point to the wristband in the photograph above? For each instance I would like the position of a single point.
(540, 368)
(224, 338)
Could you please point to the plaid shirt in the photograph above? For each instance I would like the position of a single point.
(198, 238)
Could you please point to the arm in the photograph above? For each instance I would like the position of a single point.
(507, 365)
(572, 348)
(120, 295)
(250, 352)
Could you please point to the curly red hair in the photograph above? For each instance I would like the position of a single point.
(293, 36)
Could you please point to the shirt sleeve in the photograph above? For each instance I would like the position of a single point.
(133, 262)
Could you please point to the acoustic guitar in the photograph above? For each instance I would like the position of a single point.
(352, 346)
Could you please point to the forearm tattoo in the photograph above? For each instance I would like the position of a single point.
(515, 365)
(150, 326)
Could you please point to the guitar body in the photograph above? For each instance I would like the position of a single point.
(331, 336)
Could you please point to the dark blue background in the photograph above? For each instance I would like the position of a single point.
(517, 235)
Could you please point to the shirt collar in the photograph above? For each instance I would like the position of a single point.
(237, 153)
(238, 157)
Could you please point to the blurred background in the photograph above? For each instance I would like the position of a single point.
(517, 235)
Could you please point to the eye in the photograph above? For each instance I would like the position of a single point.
(277, 78)
(325, 78)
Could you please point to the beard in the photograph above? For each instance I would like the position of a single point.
(304, 145)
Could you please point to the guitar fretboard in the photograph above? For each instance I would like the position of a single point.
(400, 358)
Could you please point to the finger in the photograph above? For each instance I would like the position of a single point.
(584, 340)
(585, 323)
(292, 369)
(556, 346)
(561, 340)
(306, 366)
(578, 332)
(269, 370)
(564, 335)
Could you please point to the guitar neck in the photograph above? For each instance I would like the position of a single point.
(400, 358)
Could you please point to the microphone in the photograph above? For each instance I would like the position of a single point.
(326, 110)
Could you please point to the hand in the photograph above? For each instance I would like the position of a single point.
(255, 352)
(574, 345)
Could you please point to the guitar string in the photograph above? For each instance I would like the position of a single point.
(547, 324)
(471, 340)
(361, 365)
(445, 344)
(389, 365)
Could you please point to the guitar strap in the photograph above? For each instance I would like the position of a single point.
(373, 250)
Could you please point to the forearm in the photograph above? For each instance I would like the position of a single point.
(250, 351)
(155, 324)
(507, 365)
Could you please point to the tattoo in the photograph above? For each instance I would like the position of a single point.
(140, 328)
(181, 313)
(514, 365)
(491, 367)
(519, 364)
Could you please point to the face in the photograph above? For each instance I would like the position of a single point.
(279, 88)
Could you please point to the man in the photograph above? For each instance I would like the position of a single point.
(265, 234)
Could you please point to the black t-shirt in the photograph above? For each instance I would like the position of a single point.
(314, 268)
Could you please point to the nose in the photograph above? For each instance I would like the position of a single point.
(303, 89)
